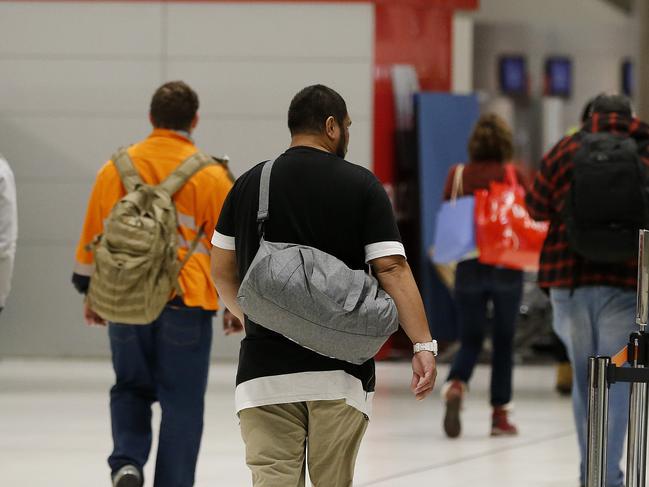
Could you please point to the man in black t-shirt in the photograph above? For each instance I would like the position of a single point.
(288, 396)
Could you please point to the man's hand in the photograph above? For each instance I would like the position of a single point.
(424, 373)
(231, 324)
(92, 318)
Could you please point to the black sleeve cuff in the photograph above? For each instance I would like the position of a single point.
(81, 283)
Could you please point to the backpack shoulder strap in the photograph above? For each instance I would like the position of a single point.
(127, 172)
(185, 171)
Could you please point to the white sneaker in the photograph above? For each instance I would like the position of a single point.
(127, 476)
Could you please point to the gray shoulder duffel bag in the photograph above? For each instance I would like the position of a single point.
(313, 298)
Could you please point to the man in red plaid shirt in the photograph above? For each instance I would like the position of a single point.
(593, 301)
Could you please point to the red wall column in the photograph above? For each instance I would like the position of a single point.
(417, 33)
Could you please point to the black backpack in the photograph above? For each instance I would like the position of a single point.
(608, 201)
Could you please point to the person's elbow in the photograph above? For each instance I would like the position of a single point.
(223, 267)
(390, 266)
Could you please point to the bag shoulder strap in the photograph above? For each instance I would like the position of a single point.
(264, 194)
(185, 171)
(190, 251)
(510, 175)
(458, 182)
(127, 172)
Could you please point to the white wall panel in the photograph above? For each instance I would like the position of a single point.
(51, 213)
(360, 143)
(52, 148)
(70, 29)
(44, 314)
(246, 141)
(247, 29)
(73, 86)
(265, 88)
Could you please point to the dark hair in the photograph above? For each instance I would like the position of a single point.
(612, 104)
(174, 106)
(491, 140)
(311, 108)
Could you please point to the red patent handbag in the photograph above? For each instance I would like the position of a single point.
(506, 235)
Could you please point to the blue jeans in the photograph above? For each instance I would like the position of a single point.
(593, 321)
(165, 361)
(475, 285)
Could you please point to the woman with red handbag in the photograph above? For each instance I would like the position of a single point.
(481, 287)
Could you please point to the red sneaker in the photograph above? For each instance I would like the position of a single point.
(500, 424)
(453, 393)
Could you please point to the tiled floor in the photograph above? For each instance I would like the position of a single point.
(55, 432)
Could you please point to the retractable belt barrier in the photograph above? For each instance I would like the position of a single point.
(606, 371)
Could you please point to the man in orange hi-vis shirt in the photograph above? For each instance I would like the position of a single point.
(166, 360)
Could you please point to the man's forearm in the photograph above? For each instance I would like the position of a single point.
(399, 283)
(226, 279)
(228, 293)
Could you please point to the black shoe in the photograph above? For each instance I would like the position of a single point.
(127, 476)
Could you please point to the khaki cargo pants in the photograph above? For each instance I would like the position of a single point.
(282, 440)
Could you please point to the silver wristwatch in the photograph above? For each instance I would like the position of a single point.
(425, 347)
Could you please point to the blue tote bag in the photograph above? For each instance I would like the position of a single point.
(455, 226)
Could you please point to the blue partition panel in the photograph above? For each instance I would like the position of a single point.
(444, 123)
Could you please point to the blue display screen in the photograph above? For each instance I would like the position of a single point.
(558, 73)
(513, 75)
(627, 78)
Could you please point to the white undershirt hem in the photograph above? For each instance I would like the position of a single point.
(301, 387)
(383, 249)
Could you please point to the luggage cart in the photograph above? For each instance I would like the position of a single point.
(607, 371)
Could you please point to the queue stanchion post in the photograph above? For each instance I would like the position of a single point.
(639, 391)
(597, 421)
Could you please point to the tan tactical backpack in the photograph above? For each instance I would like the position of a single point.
(136, 258)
